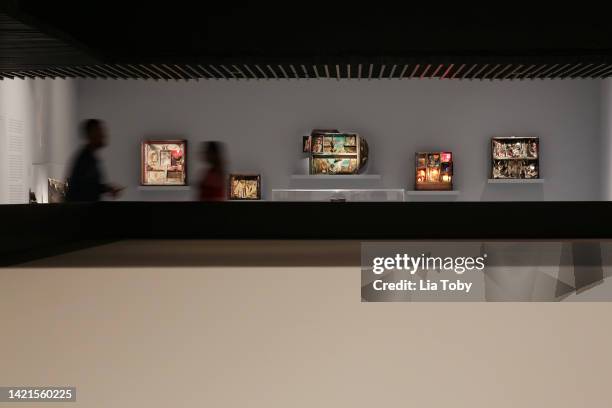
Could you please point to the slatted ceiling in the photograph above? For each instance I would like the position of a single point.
(333, 71)
(603, 73)
(592, 70)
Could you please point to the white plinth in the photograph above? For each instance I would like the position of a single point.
(515, 181)
(364, 195)
(335, 181)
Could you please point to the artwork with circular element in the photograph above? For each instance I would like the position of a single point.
(332, 152)
(163, 163)
(434, 171)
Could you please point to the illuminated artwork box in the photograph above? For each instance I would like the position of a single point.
(434, 171)
(245, 187)
(515, 158)
(332, 152)
(163, 163)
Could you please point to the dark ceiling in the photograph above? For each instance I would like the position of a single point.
(181, 39)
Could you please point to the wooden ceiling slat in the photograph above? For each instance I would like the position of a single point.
(586, 70)
(250, 71)
(74, 73)
(382, 71)
(458, 71)
(596, 74)
(469, 71)
(156, 75)
(521, 75)
(547, 71)
(185, 72)
(513, 73)
(447, 71)
(225, 69)
(57, 73)
(206, 72)
(241, 72)
(218, 72)
(140, 72)
(437, 70)
(535, 72)
(130, 72)
(262, 71)
(554, 73)
(95, 72)
(295, 73)
(282, 70)
(107, 73)
(274, 75)
(501, 71)
(122, 74)
(591, 73)
(569, 71)
(605, 74)
(480, 71)
(393, 69)
(425, 71)
(172, 72)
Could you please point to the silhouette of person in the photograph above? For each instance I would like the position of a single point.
(212, 185)
(86, 181)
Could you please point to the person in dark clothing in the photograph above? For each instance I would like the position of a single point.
(86, 181)
(212, 183)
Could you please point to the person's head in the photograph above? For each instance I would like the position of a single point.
(94, 133)
(212, 153)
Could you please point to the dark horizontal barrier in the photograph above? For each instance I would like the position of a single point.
(38, 227)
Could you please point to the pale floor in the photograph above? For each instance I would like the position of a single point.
(274, 335)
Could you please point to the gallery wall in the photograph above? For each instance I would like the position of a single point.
(262, 122)
(38, 129)
(606, 139)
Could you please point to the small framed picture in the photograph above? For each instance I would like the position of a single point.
(163, 163)
(245, 187)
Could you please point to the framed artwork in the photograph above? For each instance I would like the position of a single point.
(245, 187)
(163, 163)
(57, 190)
(434, 171)
(332, 152)
(515, 158)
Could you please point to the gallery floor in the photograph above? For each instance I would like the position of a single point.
(281, 325)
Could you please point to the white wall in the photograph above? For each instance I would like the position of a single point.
(262, 123)
(41, 114)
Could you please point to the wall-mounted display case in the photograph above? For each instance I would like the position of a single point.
(163, 163)
(515, 158)
(434, 171)
(332, 152)
(245, 187)
(56, 190)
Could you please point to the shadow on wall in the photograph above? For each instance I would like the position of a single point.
(512, 192)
